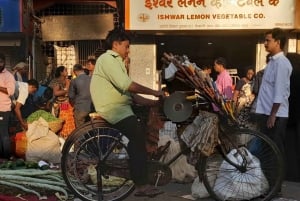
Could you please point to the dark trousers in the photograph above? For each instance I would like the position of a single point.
(277, 133)
(5, 143)
(133, 130)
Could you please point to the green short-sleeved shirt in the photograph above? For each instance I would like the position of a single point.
(109, 85)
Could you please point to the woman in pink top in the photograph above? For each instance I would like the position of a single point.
(224, 80)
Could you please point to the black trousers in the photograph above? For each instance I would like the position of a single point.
(5, 143)
(134, 131)
(277, 133)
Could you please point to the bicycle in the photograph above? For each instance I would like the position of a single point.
(94, 165)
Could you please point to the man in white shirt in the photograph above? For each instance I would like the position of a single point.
(274, 91)
(22, 92)
(272, 100)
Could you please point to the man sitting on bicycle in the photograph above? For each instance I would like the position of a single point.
(112, 93)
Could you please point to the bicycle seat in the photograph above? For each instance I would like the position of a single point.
(95, 116)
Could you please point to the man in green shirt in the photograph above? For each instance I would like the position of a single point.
(113, 93)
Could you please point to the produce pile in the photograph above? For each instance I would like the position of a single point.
(21, 177)
(193, 76)
(41, 113)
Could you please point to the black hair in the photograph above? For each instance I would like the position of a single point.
(206, 67)
(93, 61)
(221, 61)
(278, 34)
(33, 82)
(58, 71)
(77, 67)
(117, 34)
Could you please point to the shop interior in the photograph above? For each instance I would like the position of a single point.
(239, 49)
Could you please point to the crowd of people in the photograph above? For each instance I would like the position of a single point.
(112, 93)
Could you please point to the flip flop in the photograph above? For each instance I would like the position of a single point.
(149, 192)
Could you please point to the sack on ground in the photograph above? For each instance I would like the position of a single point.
(182, 171)
(198, 189)
(42, 143)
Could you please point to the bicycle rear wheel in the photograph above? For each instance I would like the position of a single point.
(263, 174)
(94, 164)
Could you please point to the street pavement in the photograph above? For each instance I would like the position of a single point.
(175, 192)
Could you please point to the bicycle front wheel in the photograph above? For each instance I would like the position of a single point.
(95, 164)
(261, 174)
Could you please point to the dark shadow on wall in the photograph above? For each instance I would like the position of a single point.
(293, 131)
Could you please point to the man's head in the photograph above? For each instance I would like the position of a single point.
(2, 62)
(91, 64)
(207, 69)
(118, 40)
(275, 40)
(77, 69)
(21, 66)
(220, 64)
(33, 86)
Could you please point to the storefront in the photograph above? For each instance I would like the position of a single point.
(205, 29)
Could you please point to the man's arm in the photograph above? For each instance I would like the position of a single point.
(72, 90)
(3, 90)
(19, 115)
(140, 89)
(140, 100)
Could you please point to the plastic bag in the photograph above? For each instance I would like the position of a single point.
(234, 184)
(198, 189)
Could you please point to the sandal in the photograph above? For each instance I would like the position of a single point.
(149, 192)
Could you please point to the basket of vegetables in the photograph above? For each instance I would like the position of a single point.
(55, 124)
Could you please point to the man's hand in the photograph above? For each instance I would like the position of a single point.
(272, 118)
(160, 94)
(271, 121)
(24, 125)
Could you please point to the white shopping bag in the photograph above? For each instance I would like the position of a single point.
(233, 184)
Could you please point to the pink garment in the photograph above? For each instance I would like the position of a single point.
(224, 84)
(7, 81)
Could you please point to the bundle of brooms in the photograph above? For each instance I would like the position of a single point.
(194, 77)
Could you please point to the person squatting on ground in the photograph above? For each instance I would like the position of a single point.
(7, 89)
(79, 94)
(113, 93)
(272, 100)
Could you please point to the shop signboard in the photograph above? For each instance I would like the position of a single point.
(10, 16)
(76, 27)
(209, 14)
